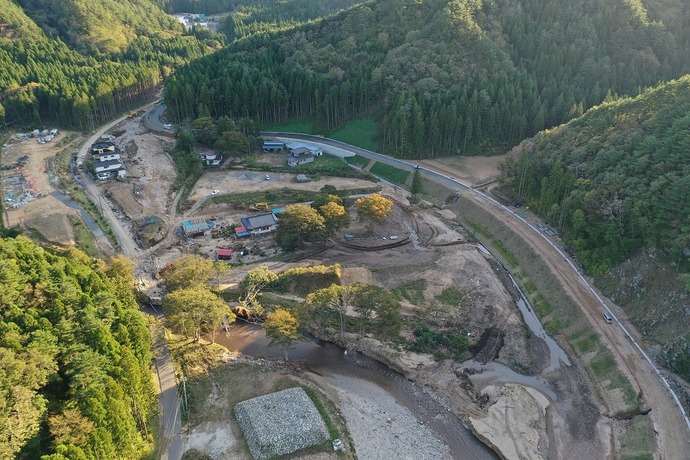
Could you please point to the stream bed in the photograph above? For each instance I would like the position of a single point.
(331, 361)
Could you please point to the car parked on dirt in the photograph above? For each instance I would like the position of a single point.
(608, 318)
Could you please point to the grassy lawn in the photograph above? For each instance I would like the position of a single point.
(274, 198)
(85, 240)
(360, 133)
(78, 195)
(390, 173)
(358, 160)
(294, 126)
(637, 441)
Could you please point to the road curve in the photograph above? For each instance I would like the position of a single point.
(671, 422)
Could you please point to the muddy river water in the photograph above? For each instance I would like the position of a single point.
(330, 360)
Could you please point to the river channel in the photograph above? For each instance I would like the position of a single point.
(329, 360)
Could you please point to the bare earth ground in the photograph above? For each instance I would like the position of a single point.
(251, 181)
(441, 254)
(672, 439)
(44, 214)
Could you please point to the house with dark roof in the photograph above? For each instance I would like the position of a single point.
(301, 154)
(109, 168)
(263, 223)
(104, 146)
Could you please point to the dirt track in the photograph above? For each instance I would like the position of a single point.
(672, 433)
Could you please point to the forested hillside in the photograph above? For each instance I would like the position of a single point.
(443, 76)
(257, 16)
(616, 179)
(613, 182)
(75, 379)
(98, 59)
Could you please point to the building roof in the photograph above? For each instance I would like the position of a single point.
(274, 143)
(241, 231)
(300, 151)
(103, 145)
(296, 145)
(299, 159)
(262, 220)
(277, 211)
(224, 252)
(106, 164)
(189, 227)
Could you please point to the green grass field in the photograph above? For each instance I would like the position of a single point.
(360, 133)
(358, 161)
(390, 173)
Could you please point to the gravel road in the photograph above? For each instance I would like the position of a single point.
(381, 428)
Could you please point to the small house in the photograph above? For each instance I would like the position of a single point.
(212, 159)
(195, 227)
(224, 254)
(110, 168)
(104, 146)
(263, 223)
(294, 161)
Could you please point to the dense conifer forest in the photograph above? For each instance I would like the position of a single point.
(616, 179)
(75, 377)
(78, 63)
(443, 77)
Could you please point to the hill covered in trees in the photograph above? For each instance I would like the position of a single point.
(75, 378)
(443, 76)
(616, 179)
(616, 184)
(78, 63)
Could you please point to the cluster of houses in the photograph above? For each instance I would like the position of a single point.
(251, 226)
(109, 162)
(299, 153)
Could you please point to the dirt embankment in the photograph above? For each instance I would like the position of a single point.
(564, 416)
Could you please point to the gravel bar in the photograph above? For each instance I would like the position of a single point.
(383, 429)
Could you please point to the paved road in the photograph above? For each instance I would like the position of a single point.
(171, 420)
(152, 120)
(172, 443)
(85, 216)
(323, 142)
(670, 421)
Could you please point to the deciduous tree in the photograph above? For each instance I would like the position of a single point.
(298, 225)
(282, 328)
(252, 285)
(374, 208)
(187, 272)
(193, 310)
